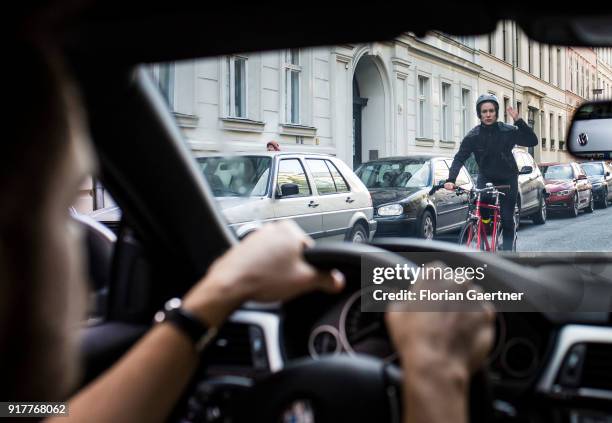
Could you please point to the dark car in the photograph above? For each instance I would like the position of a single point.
(405, 203)
(568, 187)
(531, 199)
(600, 176)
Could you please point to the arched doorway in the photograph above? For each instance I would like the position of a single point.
(368, 112)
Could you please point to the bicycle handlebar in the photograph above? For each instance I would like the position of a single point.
(459, 190)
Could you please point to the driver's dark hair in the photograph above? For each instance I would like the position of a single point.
(32, 295)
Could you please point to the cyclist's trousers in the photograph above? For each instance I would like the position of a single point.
(507, 203)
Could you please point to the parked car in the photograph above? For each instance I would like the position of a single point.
(405, 203)
(568, 187)
(531, 199)
(600, 176)
(317, 191)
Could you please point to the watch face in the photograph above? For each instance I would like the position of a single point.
(172, 304)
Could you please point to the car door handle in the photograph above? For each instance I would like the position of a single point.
(313, 204)
(349, 200)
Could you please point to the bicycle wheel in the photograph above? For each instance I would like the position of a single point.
(469, 235)
(500, 239)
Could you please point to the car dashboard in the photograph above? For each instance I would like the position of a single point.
(543, 366)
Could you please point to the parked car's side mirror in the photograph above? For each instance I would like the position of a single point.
(525, 170)
(580, 177)
(607, 173)
(289, 189)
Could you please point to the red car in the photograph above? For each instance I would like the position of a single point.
(568, 187)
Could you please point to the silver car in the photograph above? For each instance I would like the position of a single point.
(318, 191)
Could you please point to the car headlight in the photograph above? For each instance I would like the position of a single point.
(390, 210)
(564, 192)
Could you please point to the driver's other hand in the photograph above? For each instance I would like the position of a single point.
(268, 265)
(442, 336)
(449, 186)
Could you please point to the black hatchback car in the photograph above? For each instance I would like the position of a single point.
(600, 176)
(405, 201)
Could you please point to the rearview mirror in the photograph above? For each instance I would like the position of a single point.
(525, 170)
(289, 189)
(589, 134)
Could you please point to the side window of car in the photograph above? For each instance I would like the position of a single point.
(471, 166)
(291, 171)
(463, 177)
(519, 159)
(322, 177)
(440, 171)
(341, 185)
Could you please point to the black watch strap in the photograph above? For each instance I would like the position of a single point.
(199, 333)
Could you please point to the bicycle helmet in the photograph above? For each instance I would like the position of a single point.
(487, 98)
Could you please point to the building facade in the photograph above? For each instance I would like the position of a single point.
(365, 101)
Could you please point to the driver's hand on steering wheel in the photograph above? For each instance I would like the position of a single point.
(440, 345)
(268, 265)
(450, 186)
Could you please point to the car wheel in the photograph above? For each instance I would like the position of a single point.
(539, 218)
(427, 226)
(604, 201)
(359, 234)
(591, 206)
(573, 211)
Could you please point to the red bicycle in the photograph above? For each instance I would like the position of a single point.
(483, 229)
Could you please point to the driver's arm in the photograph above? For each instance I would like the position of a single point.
(146, 383)
(439, 351)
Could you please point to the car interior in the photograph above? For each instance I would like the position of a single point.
(549, 364)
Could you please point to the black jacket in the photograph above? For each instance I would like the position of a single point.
(492, 147)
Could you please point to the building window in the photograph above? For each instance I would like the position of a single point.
(560, 132)
(529, 57)
(558, 68)
(550, 64)
(446, 132)
(506, 105)
(519, 108)
(163, 73)
(491, 43)
(541, 51)
(422, 130)
(465, 111)
(236, 86)
(551, 125)
(293, 71)
(504, 42)
(543, 143)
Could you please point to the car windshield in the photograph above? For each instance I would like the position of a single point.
(593, 169)
(240, 176)
(381, 110)
(558, 172)
(395, 174)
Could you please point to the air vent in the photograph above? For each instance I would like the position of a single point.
(238, 345)
(597, 368)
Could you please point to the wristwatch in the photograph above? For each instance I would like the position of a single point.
(199, 332)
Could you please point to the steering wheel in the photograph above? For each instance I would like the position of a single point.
(323, 388)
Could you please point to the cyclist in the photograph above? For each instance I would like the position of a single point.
(491, 142)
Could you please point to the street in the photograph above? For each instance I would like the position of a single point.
(587, 232)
